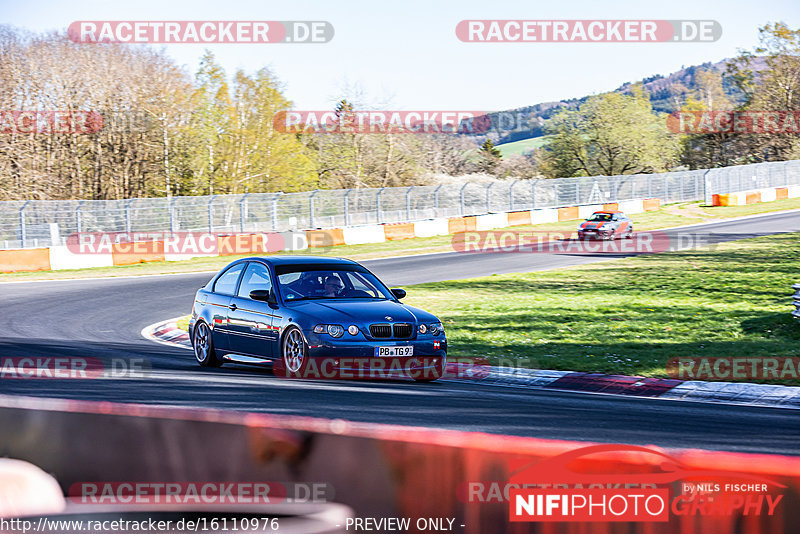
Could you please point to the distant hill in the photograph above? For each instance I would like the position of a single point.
(667, 93)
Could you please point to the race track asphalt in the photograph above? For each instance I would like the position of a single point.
(102, 318)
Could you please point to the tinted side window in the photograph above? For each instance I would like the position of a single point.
(256, 276)
(226, 283)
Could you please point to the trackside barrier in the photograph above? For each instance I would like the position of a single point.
(61, 257)
(755, 196)
(377, 470)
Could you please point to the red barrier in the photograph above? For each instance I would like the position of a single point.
(378, 470)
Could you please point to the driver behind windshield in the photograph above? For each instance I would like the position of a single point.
(333, 286)
(601, 217)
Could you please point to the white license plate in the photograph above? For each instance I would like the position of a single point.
(394, 351)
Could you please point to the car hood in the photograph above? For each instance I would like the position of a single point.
(361, 311)
(594, 225)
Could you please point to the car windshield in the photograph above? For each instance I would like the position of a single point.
(601, 217)
(301, 283)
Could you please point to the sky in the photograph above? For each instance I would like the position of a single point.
(406, 56)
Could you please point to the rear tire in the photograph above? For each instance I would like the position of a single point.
(203, 346)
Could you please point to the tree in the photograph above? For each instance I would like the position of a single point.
(488, 157)
(610, 134)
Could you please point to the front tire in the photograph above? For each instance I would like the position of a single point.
(203, 346)
(294, 352)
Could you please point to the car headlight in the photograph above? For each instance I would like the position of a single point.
(352, 330)
(334, 330)
(437, 328)
(423, 329)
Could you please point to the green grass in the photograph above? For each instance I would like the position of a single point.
(628, 316)
(672, 215)
(522, 146)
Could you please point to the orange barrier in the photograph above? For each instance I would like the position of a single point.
(137, 252)
(568, 214)
(611, 206)
(651, 204)
(715, 201)
(395, 231)
(519, 218)
(413, 472)
(457, 225)
(325, 238)
(753, 198)
(781, 193)
(28, 259)
(229, 245)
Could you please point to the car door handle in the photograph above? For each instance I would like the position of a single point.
(232, 306)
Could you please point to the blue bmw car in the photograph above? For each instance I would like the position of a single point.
(314, 317)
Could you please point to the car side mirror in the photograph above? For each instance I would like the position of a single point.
(398, 293)
(264, 295)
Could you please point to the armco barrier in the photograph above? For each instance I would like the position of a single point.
(378, 470)
(132, 253)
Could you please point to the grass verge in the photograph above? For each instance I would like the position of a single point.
(671, 215)
(628, 316)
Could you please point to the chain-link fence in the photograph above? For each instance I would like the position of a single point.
(49, 222)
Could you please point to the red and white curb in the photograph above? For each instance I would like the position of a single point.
(168, 333)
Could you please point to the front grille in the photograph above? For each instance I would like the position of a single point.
(380, 331)
(403, 330)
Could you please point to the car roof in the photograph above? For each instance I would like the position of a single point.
(307, 260)
(607, 211)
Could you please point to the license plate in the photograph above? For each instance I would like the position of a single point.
(394, 351)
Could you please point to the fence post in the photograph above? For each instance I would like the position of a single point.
(436, 200)
(242, 208)
(311, 208)
(275, 210)
(171, 209)
(461, 200)
(378, 205)
(347, 208)
(706, 192)
(488, 198)
(577, 192)
(511, 195)
(128, 215)
(211, 214)
(408, 203)
(555, 194)
(533, 193)
(78, 225)
(22, 231)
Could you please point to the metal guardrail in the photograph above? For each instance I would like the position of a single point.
(35, 223)
(796, 300)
